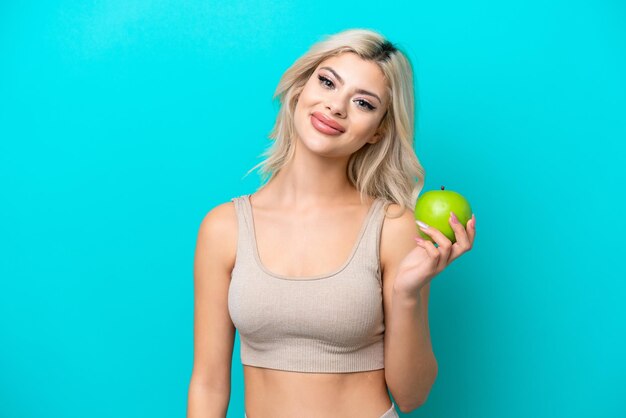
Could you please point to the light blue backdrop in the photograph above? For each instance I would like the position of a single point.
(122, 123)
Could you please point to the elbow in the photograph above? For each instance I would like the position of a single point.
(407, 408)
(421, 398)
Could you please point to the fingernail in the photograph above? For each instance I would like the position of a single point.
(453, 218)
(417, 239)
(422, 224)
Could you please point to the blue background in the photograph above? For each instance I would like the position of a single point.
(122, 123)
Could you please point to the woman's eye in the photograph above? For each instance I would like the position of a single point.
(323, 80)
(365, 104)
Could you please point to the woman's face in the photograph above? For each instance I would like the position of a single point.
(348, 93)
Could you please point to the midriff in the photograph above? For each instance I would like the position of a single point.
(273, 393)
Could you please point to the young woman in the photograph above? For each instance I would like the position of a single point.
(319, 269)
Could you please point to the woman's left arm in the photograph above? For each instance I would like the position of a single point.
(408, 268)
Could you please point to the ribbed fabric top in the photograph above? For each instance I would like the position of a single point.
(329, 323)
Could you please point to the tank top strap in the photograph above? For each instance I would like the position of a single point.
(369, 247)
(244, 230)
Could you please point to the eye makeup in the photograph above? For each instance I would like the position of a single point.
(362, 103)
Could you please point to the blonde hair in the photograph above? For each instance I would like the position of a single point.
(389, 168)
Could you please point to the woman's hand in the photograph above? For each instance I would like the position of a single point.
(426, 261)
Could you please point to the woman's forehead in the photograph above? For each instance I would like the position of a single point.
(351, 63)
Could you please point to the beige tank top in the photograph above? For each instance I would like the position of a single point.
(329, 323)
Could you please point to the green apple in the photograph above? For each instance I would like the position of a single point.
(434, 207)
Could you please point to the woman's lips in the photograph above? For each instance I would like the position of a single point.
(323, 128)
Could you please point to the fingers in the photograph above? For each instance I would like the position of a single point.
(471, 230)
(429, 246)
(444, 244)
(446, 252)
(442, 241)
(464, 237)
(463, 241)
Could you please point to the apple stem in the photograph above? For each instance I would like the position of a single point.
(443, 187)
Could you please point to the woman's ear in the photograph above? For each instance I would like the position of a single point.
(376, 137)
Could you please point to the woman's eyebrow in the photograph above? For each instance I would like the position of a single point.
(360, 91)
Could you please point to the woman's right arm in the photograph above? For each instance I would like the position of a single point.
(214, 332)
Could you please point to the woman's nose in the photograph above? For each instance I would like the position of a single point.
(336, 108)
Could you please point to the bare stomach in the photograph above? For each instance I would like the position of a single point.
(283, 394)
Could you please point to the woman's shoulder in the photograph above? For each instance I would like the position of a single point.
(220, 216)
(218, 230)
(398, 230)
